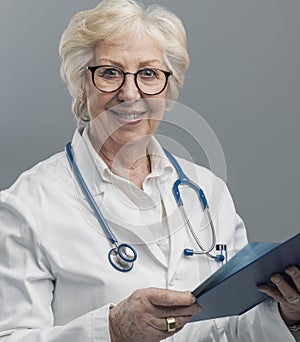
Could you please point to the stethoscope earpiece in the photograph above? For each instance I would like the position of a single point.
(218, 257)
(188, 252)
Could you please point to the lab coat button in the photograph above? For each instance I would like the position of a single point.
(171, 283)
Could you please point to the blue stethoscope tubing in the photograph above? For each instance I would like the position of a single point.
(184, 180)
(122, 256)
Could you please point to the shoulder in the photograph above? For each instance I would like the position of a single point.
(47, 175)
(214, 187)
(199, 173)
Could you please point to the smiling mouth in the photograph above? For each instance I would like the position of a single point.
(127, 117)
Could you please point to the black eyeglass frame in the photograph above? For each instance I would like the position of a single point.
(92, 69)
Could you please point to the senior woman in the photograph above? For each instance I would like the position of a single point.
(121, 63)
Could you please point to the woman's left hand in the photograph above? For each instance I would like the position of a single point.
(286, 295)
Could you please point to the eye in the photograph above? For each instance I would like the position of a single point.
(109, 73)
(148, 73)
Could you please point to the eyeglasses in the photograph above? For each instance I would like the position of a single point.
(149, 81)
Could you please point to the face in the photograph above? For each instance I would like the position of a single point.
(125, 116)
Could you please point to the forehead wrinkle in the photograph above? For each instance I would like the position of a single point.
(130, 54)
(142, 64)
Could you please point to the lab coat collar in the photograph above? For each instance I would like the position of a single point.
(87, 161)
(96, 173)
(161, 166)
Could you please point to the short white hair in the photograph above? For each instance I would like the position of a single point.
(113, 19)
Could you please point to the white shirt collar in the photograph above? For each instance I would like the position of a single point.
(95, 171)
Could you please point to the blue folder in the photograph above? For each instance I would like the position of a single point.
(232, 289)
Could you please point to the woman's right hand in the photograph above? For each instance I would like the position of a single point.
(142, 316)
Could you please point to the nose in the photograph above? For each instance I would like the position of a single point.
(129, 90)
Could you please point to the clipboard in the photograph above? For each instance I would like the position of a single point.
(232, 289)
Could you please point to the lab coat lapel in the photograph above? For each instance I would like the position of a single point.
(129, 235)
(178, 234)
(133, 233)
(154, 249)
(180, 238)
(86, 165)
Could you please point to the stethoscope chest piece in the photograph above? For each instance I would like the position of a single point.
(122, 257)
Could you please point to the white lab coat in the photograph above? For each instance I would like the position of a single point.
(56, 282)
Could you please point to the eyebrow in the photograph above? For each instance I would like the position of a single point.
(141, 64)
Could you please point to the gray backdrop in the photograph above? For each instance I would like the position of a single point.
(244, 79)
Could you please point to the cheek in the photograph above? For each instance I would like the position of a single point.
(96, 104)
(157, 107)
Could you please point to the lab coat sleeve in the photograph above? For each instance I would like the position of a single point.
(27, 285)
(262, 324)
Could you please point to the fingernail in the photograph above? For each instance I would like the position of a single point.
(261, 288)
(291, 270)
(275, 279)
(194, 298)
(199, 309)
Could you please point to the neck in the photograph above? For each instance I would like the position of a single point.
(129, 161)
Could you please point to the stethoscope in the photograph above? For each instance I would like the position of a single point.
(122, 256)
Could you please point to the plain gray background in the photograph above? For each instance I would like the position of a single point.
(244, 79)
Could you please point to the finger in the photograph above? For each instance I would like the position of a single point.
(288, 292)
(161, 323)
(180, 322)
(272, 292)
(163, 311)
(163, 297)
(294, 273)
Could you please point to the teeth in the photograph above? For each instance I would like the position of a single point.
(129, 116)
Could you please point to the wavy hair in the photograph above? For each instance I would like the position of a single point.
(113, 19)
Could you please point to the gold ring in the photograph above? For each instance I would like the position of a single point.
(171, 324)
(294, 301)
